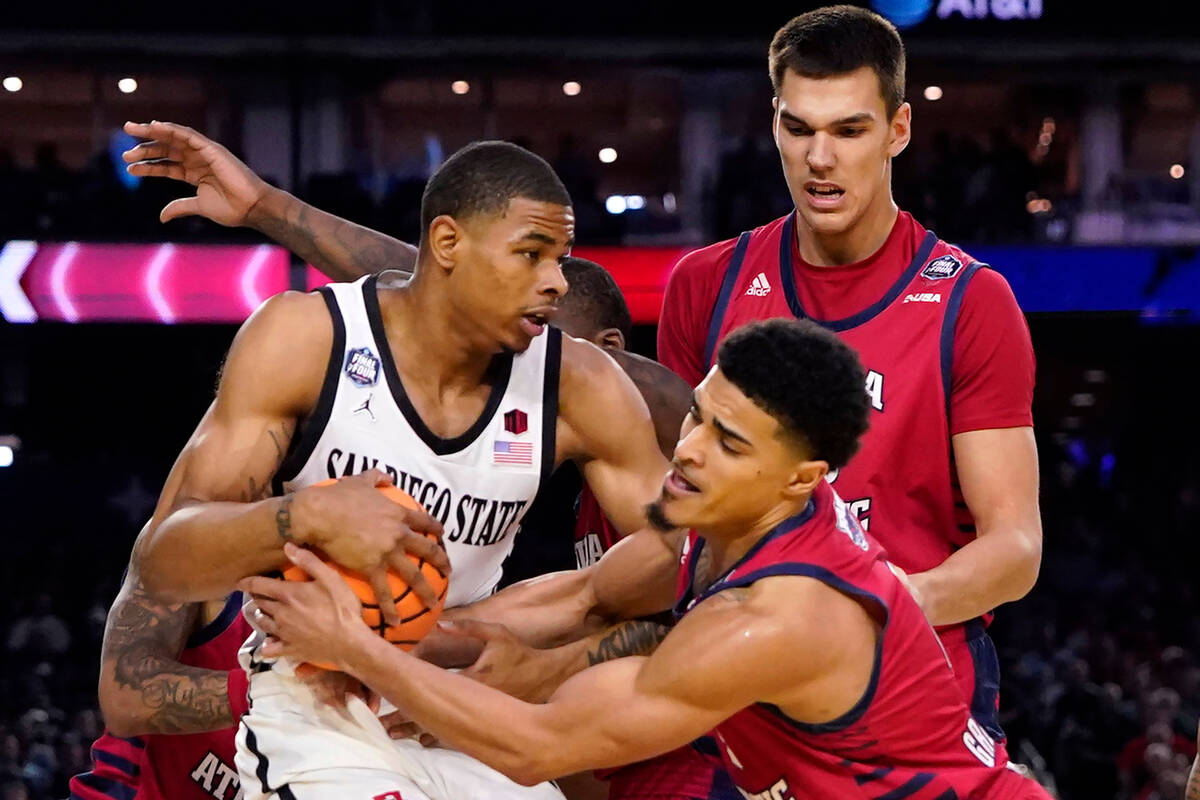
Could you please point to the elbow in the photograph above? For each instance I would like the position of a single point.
(1028, 564)
(529, 771)
(122, 718)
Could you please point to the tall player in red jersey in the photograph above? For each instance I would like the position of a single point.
(947, 477)
(171, 692)
(797, 645)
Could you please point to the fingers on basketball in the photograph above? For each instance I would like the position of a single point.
(415, 616)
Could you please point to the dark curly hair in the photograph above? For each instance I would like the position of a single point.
(483, 177)
(838, 39)
(809, 380)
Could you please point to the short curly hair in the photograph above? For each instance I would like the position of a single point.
(809, 380)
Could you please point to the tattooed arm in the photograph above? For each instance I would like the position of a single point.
(143, 687)
(229, 193)
(214, 523)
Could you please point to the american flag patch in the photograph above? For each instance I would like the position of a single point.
(519, 453)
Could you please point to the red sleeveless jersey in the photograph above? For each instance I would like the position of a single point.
(911, 735)
(594, 531)
(196, 766)
(901, 485)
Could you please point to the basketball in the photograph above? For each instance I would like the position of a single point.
(416, 619)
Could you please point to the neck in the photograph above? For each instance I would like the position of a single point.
(859, 241)
(730, 543)
(439, 349)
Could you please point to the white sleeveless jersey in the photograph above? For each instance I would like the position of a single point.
(478, 484)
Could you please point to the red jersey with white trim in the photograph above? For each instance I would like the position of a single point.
(899, 484)
(911, 734)
(197, 766)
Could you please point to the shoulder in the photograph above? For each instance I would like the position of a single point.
(283, 348)
(653, 380)
(704, 266)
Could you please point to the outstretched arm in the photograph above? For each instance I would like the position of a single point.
(723, 656)
(229, 193)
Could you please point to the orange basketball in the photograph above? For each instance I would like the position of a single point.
(416, 619)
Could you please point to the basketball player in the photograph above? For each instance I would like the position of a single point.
(171, 692)
(230, 193)
(450, 386)
(947, 479)
(797, 645)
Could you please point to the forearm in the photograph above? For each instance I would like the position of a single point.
(159, 695)
(542, 612)
(1193, 784)
(341, 249)
(996, 568)
(493, 727)
(200, 551)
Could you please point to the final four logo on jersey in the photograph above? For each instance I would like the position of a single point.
(942, 267)
(362, 366)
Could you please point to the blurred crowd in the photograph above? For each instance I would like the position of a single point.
(977, 194)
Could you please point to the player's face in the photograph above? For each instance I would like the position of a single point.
(732, 466)
(508, 279)
(836, 143)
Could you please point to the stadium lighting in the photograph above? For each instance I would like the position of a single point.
(460, 87)
(6, 456)
(13, 84)
(669, 203)
(572, 88)
(615, 204)
(635, 202)
(127, 85)
(933, 93)
(608, 155)
(1176, 171)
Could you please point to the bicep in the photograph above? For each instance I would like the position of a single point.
(271, 375)
(998, 473)
(624, 717)
(141, 631)
(611, 436)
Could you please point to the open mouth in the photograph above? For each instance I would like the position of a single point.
(534, 323)
(824, 191)
(679, 484)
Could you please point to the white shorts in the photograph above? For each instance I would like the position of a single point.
(290, 745)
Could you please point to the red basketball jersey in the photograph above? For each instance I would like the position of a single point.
(594, 531)
(901, 485)
(195, 766)
(200, 765)
(910, 736)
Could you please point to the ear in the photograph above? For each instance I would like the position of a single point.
(609, 339)
(901, 130)
(805, 478)
(775, 119)
(445, 241)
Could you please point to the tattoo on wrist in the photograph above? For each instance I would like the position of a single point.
(636, 638)
(283, 518)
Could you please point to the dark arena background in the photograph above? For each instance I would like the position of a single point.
(1058, 141)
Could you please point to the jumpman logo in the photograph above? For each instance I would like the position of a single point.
(366, 406)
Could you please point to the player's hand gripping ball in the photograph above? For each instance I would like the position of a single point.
(416, 618)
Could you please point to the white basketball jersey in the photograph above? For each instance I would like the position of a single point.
(478, 484)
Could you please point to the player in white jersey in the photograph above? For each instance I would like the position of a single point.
(450, 386)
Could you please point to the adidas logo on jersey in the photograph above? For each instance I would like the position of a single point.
(759, 287)
(923, 297)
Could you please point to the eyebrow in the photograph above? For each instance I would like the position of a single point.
(719, 426)
(853, 119)
(545, 239)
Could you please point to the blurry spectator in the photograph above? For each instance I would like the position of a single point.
(41, 633)
(14, 790)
